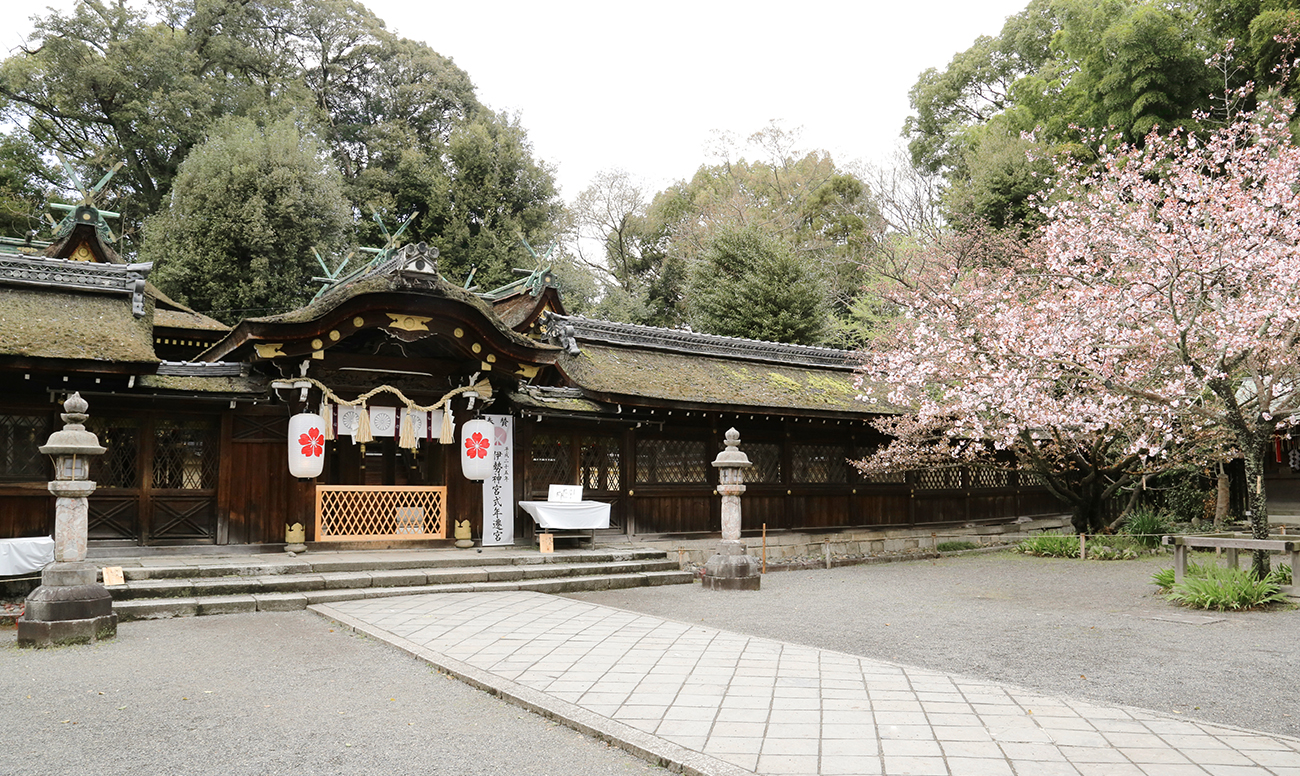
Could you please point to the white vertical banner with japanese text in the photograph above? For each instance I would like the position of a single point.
(499, 487)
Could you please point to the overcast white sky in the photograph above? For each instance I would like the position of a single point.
(644, 86)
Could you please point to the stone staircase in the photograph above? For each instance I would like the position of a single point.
(165, 587)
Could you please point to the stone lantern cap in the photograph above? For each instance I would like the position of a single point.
(732, 457)
(73, 439)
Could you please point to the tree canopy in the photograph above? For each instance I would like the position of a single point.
(248, 207)
(1154, 307)
(656, 250)
(1128, 65)
(401, 123)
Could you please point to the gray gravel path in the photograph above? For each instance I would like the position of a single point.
(1066, 627)
(268, 693)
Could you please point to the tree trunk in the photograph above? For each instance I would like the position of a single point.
(1257, 504)
(1088, 515)
(1221, 499)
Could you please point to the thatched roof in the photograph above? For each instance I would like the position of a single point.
(617, 374)
(49, 323)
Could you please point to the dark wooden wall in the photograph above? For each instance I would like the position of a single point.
(844, 499)
(257, 496)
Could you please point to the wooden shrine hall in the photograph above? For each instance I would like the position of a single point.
(394, 361)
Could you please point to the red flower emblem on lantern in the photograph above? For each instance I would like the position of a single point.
(477, 446)
(313, 442)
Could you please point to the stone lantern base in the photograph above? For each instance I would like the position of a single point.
(69, 607)
(731, 569)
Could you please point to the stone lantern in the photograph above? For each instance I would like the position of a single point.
(731, 568)
(70, 606)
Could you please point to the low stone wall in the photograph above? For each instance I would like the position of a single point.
(796, 549)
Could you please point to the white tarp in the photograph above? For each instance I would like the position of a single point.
(561, 515)
(499, 487)
(25, 556)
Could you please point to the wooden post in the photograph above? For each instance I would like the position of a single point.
(1180, 561)
(827, 545)
(1083, 546)
(1295, 567)
(1231, 553)
(764, 571)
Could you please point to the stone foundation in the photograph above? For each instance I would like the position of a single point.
(786, 548)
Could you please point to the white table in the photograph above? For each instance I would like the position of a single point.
(586, 516)
(25, 556)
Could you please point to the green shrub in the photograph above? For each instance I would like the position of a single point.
(1281, 574)
(1111, 551)
(1224, 589)
(1146, 526)
(1050, 546)
(1188, 499)
(956, 546)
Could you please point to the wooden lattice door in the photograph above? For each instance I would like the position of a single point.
(157, 482)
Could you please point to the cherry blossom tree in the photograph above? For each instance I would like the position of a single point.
(1157, 306)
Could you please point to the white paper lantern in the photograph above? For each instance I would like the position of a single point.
(306, 445)
(476, 442)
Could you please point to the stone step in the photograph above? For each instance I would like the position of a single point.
(191, 606)
(239, 584)
(269, 565)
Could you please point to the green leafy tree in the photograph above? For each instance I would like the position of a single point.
(749, 284)
(246, 210)
(1128, 65)
(25, 186)
(401, 122)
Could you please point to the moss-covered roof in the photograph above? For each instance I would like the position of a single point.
(181, 319)
(531, 399)
(46, 323)
(253, 384)
(613, 373)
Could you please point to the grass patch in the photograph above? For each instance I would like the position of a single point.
(1050, 546)
(1114, 549)
(1146, 526)
(1224, 589)
(956, 546)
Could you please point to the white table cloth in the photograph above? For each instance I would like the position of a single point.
(559, 515)
(25, 556)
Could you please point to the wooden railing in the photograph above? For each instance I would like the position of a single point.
(374, 512)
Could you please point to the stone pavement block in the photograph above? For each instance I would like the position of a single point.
(962, 766)
(155, 608)
(738, 702)
(280, 602)
(234, 604)
(347, 579)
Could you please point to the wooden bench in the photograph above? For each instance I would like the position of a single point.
(1230, 543)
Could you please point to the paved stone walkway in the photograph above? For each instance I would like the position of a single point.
(705, 701)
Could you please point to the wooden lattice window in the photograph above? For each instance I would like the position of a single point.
(552, 460)
(1031, 479)
(938, 479)
(600, 464)
(766, 460)
(116, 468)
(185, 455)
(671, 461)
(360, 512)
(20, 439)
(819, 463)
(989, 478)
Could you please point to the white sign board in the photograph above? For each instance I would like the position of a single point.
(499, 486)
(565, 494)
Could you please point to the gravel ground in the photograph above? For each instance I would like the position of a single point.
(1064, 627)
(269, 693)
